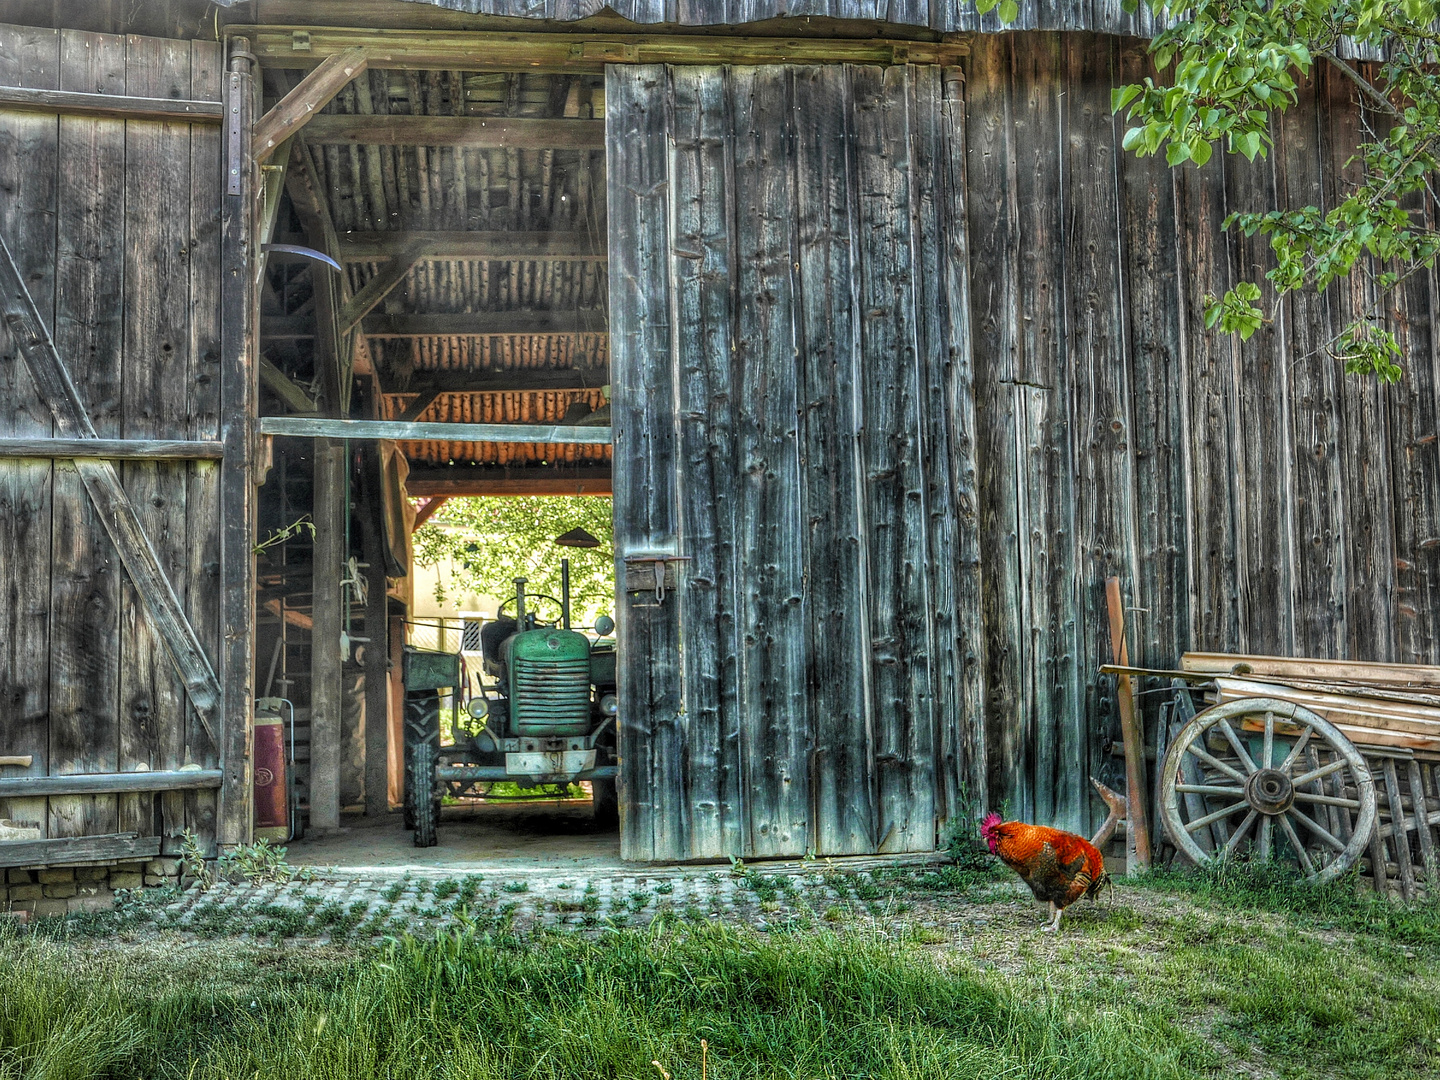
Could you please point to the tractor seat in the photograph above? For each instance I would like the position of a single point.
(492, 634)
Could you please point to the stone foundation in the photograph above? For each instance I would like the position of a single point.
(61, 890)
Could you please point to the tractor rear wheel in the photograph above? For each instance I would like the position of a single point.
(427, 803)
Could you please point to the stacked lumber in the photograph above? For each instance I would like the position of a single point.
(1391, 712)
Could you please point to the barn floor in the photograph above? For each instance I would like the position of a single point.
(558, 835)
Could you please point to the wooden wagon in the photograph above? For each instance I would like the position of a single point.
(1326, 764)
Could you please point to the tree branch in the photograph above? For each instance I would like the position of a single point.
(1379, 99)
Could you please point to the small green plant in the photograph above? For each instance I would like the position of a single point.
(393, 891)
(516, 886)
(446, 887)
(193, 862)
(665, 888)
(255, 863)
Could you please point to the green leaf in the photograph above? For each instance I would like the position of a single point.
(984, 7)
(1009, 11)
(1133, 138)
(1199, 151)
(1123, 95)
(1176, 153)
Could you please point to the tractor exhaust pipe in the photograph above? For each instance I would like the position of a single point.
(565, 594)
(520, 602)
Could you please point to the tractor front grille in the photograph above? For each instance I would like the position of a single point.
(551, 693)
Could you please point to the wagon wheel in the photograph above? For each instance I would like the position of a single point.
(1285, 773)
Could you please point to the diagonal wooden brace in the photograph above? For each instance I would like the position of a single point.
(310, 95)
(117, 513)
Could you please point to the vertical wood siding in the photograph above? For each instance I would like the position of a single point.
(115, 225)
(795, 418)
(924, 364)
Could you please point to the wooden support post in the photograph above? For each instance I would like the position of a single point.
(376, 649)
(325, 664)
(300, 105)
(1137, 846)
(239, 393)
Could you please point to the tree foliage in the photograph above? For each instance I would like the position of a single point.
(1228, 66)
(482, 544)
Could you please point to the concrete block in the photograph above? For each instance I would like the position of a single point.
(19, 877)
(56, 876)
(63, 890)
(163, 867)
(45, 909)
(26, 892)
(155, 880)
(21, 917)
(126, 880)
(101, 902)
(90, 888)
(91, 873)
(128, 868)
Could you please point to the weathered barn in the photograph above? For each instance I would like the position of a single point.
(905, 358)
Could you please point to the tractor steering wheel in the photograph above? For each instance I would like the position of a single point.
(559, 607)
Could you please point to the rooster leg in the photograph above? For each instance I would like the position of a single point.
(1053, 926)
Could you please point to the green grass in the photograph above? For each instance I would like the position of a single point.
(1234, 971)
(460, 1007)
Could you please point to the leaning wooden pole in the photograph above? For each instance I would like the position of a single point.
(1137, 845)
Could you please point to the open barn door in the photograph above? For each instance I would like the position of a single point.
(795, 534)
(125, 477)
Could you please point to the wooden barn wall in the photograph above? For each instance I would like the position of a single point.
(116, 227)
(906, 378)
(1100, 16)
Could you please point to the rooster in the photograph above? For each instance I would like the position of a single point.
(1059, 867)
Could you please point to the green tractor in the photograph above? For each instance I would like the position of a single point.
(549, 717)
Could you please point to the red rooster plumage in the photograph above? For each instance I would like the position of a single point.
(1059, 866)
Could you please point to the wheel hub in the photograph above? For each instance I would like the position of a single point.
(1269, 791)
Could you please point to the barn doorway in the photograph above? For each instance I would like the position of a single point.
(437, 261)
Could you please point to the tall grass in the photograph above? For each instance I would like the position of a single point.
(1238, 885)
(564, 1007)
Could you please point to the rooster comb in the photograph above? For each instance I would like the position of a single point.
(991, 820)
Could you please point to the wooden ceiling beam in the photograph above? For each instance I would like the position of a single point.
(578, 52)
(475, 132)
(460, 244)
(460, 481)
(502, 382)
(427, 432)
(464, 324)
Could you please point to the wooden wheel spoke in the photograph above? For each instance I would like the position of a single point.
(1238, 834)
(1266, 842)
(1327, 800)
(1316, 774)
(1210, 789)
(1214, 762)
(1201, 822)
(1293, 837)
(1237, 746)
(1267, 754)
(1297, 749)
(1315, 827)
